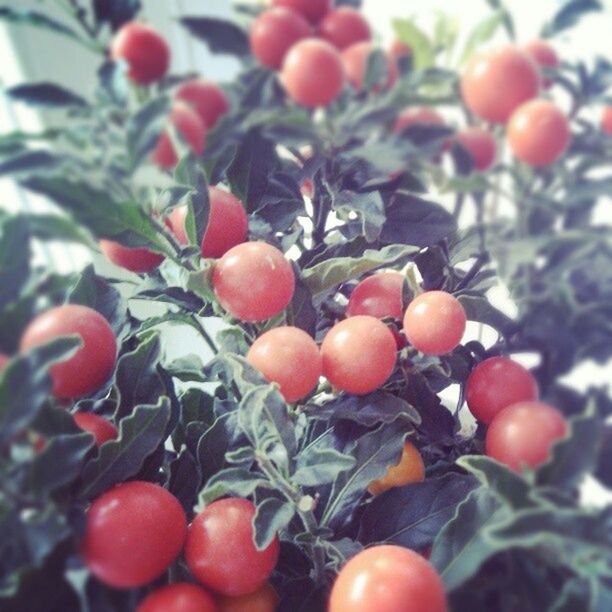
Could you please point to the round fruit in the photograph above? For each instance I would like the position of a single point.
(388, 578)
(220, 552)
(179, 597)
(101, 429)
(228, 224)
(253, 281)
(480, 144)
(189, 125)
(538, 133)
(344, 27)
(434, 322)
(409, 469)
(379, 295)
(544, 55)
(355, 60)
(524, 433)
(496, 383)
(133, 533)
(494, 84)
(312, 10)
(263, 600)
(144, 51)
(312, 73)
(207, 100)
(134, 259)
(93, 362)
(398, 50)
(290, 357)
(4, 359)
(274, 32)
(606, 120)
(417, 115)
(358, 354)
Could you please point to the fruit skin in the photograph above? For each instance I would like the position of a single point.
(207, 100)
(274, 32)
(133, 533)
(434, 322)
(544, 55)
(388, 578)
(4, 359)
(189, 125)
(312, 10)
(228, 223)
(101, 429)
(343, 27)
(253, 281)
(220, 552)
(606, 120)
(524, 433)
(178, 597)
(494, 84)
(264, 599)
(417, 115)
(409, 469)
(355, 60)
(379, 295)
(480, 144)
(358, 354)
(312, 73)
(290, 357)
(93, 362)
(144, 50)
(138, 259)
(496, 383)
(538, 133)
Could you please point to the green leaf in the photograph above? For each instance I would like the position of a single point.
(212, 448)
(35, 19)
(144, 128)
(46, 94)
(369, 208)
(189, 173)
(482, 33)
(140, 434)
(376, 71)
(219, 35)
(417, 40)
(14, 258)
(27, 162)
(272, 516)
(335, 271)
(478, 308)
(317, 466)
(569, 15)
(57, 228)
(116, 12)
(232, 481)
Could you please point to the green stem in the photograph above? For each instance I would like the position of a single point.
(211, 343)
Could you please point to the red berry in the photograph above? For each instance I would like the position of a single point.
(480, 144)
(178, 597)
(207, 100)
(379, 295)
(343, 27)
(543, 54)
(101, 429)
(312, 10)
(138, 260)
(355, 60)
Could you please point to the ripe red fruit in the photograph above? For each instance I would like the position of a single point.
(480, 144)
(144, 50)
(4, 359)
(606, 120)
(379, 295)
(133, 533)
(538, 133)
(101, 429)
(290, 357)
(228, 224)
(207, 100)
(388, 578)
(312, 10)
(344, 26)
(220, 552)
(417, 115)
(264, 599)
(496, 383)
(93, 362)
(358, 354)
(524, 433)
(398, 50)
(253, 281)
(134, 259)
(274, 32)
(179, 597)
(312, 73)
(494, 84)
(189, 125)
(434, 322)
(544, 55)
(355, 60)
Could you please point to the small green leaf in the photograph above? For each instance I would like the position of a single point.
(482, 33)
(219, 35)
(271, 517)
(47, 95)
(417, 40)
(317, 466)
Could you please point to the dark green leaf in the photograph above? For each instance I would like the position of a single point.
(14, 259)
(317, 466)
(272, 516)
(34, 19)
(221, 36)
(45, 94)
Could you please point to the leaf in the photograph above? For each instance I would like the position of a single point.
(417, 40)
(26, 162)
(317, 466)
(188, 173)
(219, 35)
(301, 311)
(482, 33)
(478, 308)
(413, 515)
(376, 70)
(272, 516)
(212, 448)
(418, 222)
(368, 207)
(337, 270)
(144, 128)
(184, 480)
(116, 12)
(46, 95)
(569, 15)
(14, 259)
(56, 228)
(232, 481)
(140, 434)
(35, 19)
